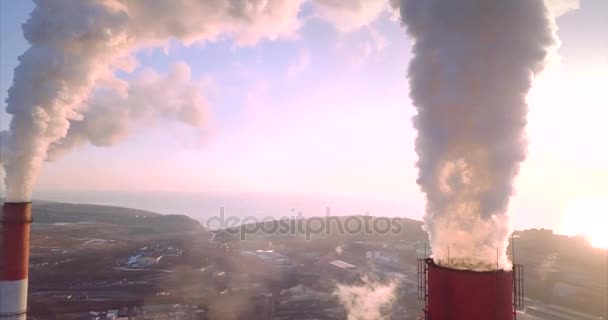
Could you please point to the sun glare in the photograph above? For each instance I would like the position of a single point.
(587, 217)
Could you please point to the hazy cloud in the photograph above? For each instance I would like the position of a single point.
(300, 65)
(358, 47)
(352, 14)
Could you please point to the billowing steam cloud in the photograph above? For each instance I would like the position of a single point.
(77, 45)
(472, 67)
(473, 64)
(108, 116)
(366, 301)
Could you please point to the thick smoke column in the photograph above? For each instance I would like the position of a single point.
(473, 64)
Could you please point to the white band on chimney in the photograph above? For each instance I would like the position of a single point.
(13, 299)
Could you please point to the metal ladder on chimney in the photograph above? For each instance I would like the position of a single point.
(422, 288)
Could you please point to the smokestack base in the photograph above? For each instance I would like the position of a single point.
(14, 259)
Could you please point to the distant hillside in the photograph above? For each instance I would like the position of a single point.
(47, 212)
(51, 212)
(360, 227)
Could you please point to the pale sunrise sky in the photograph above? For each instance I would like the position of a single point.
(325, 110)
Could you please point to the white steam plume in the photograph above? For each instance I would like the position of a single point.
(473, 64)
(109, 116)
(79, 44)
(365, 301)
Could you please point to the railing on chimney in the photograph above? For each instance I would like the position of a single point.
(518, 286)
(422, 291)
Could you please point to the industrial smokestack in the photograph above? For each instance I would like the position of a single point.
(14, 259)
(464, 294)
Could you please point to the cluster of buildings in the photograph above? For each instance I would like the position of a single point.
(271, 257)
(152, 255)
(313, 295)
(536, 310)
(311, 278)
(563, 274)
(152, 312)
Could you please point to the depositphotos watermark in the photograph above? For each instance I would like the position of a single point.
(299, 225)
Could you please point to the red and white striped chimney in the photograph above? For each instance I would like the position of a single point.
(14, 259)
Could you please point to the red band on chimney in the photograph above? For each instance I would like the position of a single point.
(466, 295)
(14, 256)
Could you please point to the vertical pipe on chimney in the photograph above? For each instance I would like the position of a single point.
(14, 259)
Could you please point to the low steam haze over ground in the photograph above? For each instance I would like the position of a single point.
(324, 117)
